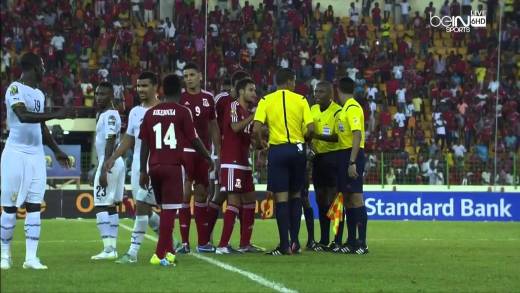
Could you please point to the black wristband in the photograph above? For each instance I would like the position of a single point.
(352, 163)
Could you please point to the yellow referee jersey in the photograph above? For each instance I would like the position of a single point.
(349, 119)
(284, 112)
(325, 124)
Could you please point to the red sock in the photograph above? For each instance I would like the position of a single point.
(212, 214)
(248, 220)
(202, 222)
(229, 222)
(165, 242)
(185, 221)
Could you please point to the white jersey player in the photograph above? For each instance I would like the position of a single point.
(145, 199)
(108, 185)
(23, 171)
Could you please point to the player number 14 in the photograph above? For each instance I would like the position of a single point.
(169, 137)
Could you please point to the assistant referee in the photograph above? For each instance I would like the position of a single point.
(351, 164)
(324, 166)
(288, 118)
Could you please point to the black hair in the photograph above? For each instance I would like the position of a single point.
(191, 65)
(241, 84)
(172, 85)
(30, 61)
(149, 75)
(346, 85)
(324, 83)
(237, 76)
(284, 75)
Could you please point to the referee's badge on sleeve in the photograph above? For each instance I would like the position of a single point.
(326, 130)
(341, 127)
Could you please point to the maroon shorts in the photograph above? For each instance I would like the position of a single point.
(168, 185)
(236, 180)
(197, 168)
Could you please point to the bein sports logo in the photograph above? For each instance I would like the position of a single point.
(460, 24)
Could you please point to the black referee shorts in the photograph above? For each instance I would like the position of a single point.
(325, 170)
(345, 183)
(286, 167)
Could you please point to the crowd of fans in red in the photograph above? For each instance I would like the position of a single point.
(428, 105)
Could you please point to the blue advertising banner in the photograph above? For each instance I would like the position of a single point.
(55, 170)
(385, 205)
(443, 206)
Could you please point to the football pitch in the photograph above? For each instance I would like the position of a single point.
(404, 257)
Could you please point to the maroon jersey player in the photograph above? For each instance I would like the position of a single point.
(165, 130)
(222, 104)
(202, 107)
(236, 176)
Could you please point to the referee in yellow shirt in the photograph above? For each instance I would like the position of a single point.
(285, 112)
(324, 164)
(351, 164)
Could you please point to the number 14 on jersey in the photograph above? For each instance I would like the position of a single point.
(169, 137)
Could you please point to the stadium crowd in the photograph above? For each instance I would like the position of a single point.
(430, 97)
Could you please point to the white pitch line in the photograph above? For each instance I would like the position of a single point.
(253, 277)
(59, 241)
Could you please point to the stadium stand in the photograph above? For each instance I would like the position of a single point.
(429, 96)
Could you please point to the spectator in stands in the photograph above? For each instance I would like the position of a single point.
(149, 7)
(354, 14)
(401, 97)
(57, 43)
(376, 16)
(390, 176)
(459, 150)
(405, 10)
(412, 170)
(387, 9)
(440, 130)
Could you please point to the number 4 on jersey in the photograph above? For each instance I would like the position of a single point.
(169, 137)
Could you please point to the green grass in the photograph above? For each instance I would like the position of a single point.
(404, 257)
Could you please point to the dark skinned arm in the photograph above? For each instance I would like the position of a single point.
(49, 141)
(356, 144)
(257, 135)
(310, 131)
(109, 150)
(327, 138)
(30, 117)
(127, 142)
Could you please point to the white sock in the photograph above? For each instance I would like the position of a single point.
(154, 222)
(7, 224)
(32, 234)
(103, 224)
(140, 226)
(114, 225)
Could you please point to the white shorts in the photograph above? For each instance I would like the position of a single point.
(138, 193)
(23, 178)
(113, 193)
